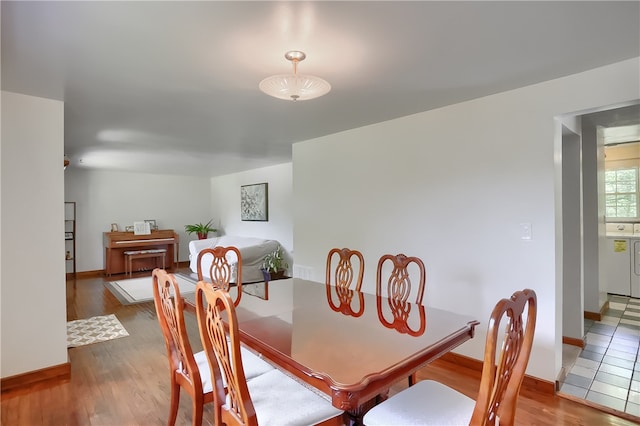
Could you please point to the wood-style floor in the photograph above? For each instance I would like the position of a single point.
(125, 381)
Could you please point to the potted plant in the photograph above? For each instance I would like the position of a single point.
(201, 229)
(274, 266)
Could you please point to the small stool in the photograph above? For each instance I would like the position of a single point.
(130, 256)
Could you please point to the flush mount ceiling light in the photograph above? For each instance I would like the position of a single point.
(294, 87)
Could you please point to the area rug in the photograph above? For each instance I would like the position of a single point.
(93, 330)
(139, 290)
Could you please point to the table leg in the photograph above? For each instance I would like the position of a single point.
(355, 416)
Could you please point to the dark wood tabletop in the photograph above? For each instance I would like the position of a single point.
(350, 346)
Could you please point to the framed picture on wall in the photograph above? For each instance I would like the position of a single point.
(254, 202)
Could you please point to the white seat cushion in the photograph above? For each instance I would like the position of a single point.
(205, 372)
(253, 365)
(425, 403)
(280, 400)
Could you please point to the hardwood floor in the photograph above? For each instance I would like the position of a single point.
(125, 381)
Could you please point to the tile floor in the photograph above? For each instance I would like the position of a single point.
(607, 370)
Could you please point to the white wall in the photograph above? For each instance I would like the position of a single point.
(105, 197)
(572, 283)
(32, 279)
(452, 186)
(225, 204)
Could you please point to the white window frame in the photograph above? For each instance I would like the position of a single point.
(637, 193)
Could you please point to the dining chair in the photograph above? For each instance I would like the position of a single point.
(506, 354)
(398, 282)
(274, 398)
(343, 274)
(221, 270)
(187, 369)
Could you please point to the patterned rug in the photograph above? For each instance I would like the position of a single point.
(93, 330)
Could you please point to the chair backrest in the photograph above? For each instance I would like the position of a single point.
(224, 358)
(343, 274)
(398, 284)
(220, 270)
(502, 377)
(170, 311)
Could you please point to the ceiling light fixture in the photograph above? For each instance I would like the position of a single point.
(294, 87)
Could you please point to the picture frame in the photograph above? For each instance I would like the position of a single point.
(254, 202)
(114, 227)
(68, 235)
(152, 224)
(128, 228)
(141, 228)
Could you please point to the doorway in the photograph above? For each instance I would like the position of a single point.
(604, 371)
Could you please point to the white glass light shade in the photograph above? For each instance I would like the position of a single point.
(294, 87)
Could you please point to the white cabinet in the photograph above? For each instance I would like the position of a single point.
(617, 265)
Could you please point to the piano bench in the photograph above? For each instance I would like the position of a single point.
(130, 256)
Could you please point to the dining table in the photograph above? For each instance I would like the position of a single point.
(350, 345)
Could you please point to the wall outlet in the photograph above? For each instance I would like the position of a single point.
(525, 231)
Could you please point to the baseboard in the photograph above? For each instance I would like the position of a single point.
(597, 316)
(573, 341)
(529, 382)
(85, 274)
(54, 374)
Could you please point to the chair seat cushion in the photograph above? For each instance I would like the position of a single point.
(425, 403)
(254, 366)
(205, 372)
(280, 400)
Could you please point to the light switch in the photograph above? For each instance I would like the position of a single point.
(525, 231)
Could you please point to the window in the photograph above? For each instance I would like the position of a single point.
(621, 192)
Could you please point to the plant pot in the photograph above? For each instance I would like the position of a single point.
(203, 235)
(270, 276)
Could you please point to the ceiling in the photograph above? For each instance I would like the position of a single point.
(172, 87)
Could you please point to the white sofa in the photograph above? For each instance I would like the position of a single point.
(253, 251)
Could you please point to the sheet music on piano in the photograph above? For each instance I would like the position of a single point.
(141, 228)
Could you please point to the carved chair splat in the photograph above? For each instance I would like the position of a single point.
(343, 274)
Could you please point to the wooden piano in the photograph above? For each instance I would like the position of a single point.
(116, 243)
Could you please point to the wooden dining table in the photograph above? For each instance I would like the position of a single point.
(350, 345)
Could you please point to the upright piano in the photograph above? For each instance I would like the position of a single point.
(116, 243)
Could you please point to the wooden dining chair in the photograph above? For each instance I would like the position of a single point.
(343, 274)
(399, 284)
(274, 398)
(188, 370)
(506, 354)
(221, 270)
